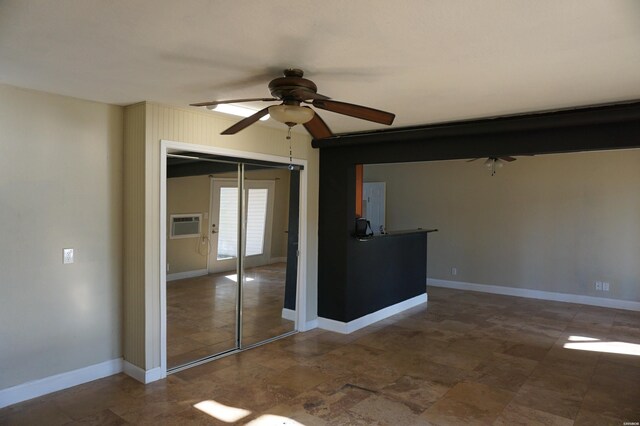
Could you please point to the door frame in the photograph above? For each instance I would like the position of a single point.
(168, 147)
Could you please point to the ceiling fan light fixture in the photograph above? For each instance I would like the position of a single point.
(489, 163)
(291, 114)
(237, 110)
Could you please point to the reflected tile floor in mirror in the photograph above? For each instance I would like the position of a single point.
(466, 358)
(201, 312)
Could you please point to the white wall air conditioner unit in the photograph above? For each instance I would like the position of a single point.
(185, 225)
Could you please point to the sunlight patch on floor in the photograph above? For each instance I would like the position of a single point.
(596, 345)
(271, 420)
(229, 414)
(222, 412)
(582, 339)
(234, 278)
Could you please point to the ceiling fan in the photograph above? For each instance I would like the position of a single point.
(492, 163)
(293, 90)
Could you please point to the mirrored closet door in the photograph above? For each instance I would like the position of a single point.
(271, 235)
(202, 287)
(217, 301)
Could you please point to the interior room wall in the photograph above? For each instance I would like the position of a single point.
(555, 223)
(188, 195)
(192, 194)
(60, 187)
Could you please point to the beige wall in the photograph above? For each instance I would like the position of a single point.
(60, 187)
(194, 126)
(551, 222)
(187, 195)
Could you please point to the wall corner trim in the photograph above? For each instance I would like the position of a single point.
(143, 376)
(357, 324)
(309, 325)
(288, 314)
(40, 387)
(538, 294)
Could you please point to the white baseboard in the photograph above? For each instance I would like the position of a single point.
(538, 294)
(309, 325)
(277, 260)
(187, 274)
(36, 388)
(288, 314)
(357, 324)
(143, 376)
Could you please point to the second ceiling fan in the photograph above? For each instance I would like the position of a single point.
(293, 90)
(492, 163)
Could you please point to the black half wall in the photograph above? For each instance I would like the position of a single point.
(354, 278)
(292, 241)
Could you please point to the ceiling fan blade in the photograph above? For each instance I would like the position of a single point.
(246, 122)
(317, 128)
(233, 101)
(357, 111)
(508, 159)
(473, 159)
(308, 94)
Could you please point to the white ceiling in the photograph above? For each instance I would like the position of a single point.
(426, 61)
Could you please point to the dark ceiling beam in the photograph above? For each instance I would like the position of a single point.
(531, 122)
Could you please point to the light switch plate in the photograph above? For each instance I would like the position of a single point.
(67, 255)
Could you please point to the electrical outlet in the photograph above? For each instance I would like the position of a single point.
(454, 271)
(167, 267)
(605, 286)
(599, 285)
(67, 255)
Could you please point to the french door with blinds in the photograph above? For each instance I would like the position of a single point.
(259, 200)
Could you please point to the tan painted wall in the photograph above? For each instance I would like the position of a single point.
(200, 127)
(187, 195)
(60, 187)
(551, 222)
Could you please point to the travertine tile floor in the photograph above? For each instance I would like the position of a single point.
(201, 312)
(467, 358)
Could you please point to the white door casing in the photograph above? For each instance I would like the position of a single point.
(158, 323)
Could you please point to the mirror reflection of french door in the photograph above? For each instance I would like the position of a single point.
(246, 299)
(258, 199)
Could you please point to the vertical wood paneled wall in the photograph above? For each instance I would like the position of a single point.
(146, 124)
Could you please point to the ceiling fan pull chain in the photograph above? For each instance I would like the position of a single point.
(290, 152)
